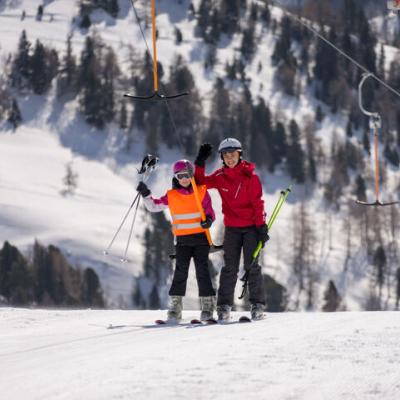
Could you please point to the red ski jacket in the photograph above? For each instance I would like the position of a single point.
(241, 193)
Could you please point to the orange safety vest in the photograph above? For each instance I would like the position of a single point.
(185, 214)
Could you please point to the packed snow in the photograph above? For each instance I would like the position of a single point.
(106, 355)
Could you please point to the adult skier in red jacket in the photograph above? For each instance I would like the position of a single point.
(244, 219)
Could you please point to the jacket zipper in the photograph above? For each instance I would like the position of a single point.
(237, 191)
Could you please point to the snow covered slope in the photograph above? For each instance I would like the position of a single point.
(56, 355)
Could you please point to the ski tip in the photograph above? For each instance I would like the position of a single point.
(243, 318)
(160, 322)
(195, 322)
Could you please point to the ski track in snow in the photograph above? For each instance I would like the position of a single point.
(53, 354)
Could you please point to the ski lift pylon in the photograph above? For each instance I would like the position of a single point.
(155, 95)
(374, 124)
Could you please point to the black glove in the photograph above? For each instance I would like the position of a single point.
(262, 234)
(207, 223)
(143, 189)
(203, 154)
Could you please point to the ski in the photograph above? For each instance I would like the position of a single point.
(210, 321)
(166, 322)
(244, 319)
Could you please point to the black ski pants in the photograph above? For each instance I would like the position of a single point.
(184, 252)
(235, 240)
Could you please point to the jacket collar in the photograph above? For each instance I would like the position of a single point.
(244, 168)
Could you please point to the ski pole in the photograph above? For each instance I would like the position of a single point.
(124, 259)
(149, 163)
(122, 223)
(282, 198)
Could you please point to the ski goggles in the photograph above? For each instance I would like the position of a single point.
(182, 175)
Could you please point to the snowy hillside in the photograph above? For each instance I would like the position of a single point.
(55, 355)
(33, 159)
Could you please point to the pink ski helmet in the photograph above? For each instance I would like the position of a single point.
(183, 165)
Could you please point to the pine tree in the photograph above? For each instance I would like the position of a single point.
(67, 80)
(360, 190)
(178, 36)
(397, 288)
(280, 142)
(229, 10)
(295, 154)
(187, 111)
(379, 262)
(220, 106)
(92, 295)
(331, 297)
(39, 77)
(123, 116)
(349, 130)
(113, 8)
(14, 116)
(262, 136)
(15, 278)
(70, 180)
(203, 17)
(92, 98)
(319, 116)
(39, 14)
(85, 22)
(247, 46)
(283, 44)
(21, 66)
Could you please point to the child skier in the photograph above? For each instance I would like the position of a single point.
(191, 240)
(244, 219)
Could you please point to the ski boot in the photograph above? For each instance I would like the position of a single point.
(207, 304)
(224, 312)
(174, 309)
(257, 311)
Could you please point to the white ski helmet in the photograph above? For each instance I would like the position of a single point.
(229, 144)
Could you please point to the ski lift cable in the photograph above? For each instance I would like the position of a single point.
(155, 75)
(329, 43)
